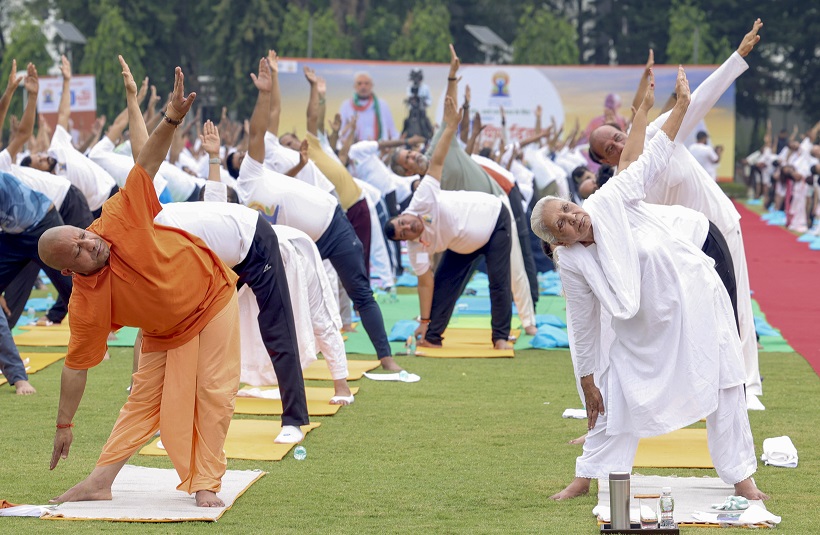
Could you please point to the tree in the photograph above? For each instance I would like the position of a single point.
(425, 35)
(26, 44)
(378, 32)
(328, 40)
(690, 36)
(113, 37)
(544, 39)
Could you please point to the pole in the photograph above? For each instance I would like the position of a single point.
(310, 37)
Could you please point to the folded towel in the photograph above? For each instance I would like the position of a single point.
(267, 393)
(578, 414)
(732, 503)
(779, 451)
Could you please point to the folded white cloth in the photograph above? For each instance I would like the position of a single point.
(578, 414)
(753, 515)
(779, 451)
(267, 393)
(410, 378)
(26, 510)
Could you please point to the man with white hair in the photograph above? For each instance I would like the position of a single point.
(374, 120)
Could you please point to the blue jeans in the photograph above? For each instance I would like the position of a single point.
(10, 362)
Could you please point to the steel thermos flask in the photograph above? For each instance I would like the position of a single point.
(619, 493)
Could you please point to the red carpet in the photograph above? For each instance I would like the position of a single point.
(783, 276)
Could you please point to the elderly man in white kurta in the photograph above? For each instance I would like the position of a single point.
(686, 183)
(673, 353)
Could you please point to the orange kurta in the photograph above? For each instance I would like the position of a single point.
(162, 280)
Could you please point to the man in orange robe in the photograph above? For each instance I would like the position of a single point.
(129, 271)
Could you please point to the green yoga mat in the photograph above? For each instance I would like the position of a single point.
(126, 337)
(771, 344)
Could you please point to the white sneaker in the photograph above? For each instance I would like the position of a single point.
(754, 404)
(290, 434)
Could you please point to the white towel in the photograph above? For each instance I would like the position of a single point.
(578, 414)
(754, 515)
(779, 451)
(411, 377)
(268, 393)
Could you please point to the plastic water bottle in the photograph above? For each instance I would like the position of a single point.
(30, 315)
(394, 297)
(404, 376)
(410, 345)
(49, 300)
(667, 509)
(300, 453)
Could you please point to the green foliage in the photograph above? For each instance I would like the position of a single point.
(425, 35)
(380, 29)
(27, 44)
(687, 22)
(113, 37)
(328, 40)
(545, 39)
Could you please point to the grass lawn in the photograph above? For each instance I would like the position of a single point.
(477, 446)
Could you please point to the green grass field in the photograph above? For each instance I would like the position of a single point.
(477, 446)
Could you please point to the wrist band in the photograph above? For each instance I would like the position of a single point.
(65, 426)
(216, 161)
(423, 320)
(171, 121)
(452, 78)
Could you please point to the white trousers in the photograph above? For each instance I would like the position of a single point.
(748, 338)
(520, 282)
(728, 431)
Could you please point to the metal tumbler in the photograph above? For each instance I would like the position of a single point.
(619, 493)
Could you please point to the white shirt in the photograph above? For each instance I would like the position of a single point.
(119, 165)
(283, 159)
(181, 185)
(226, 228)
(684, 223)
(284, 200)
(91, 179)
(52, 186)
(461, 221)
(706, 157)
(366, 165)
(684, 181)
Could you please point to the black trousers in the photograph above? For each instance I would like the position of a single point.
(453, 271)
(18, 250)
(716, 248)
(75, 212)
(340, 245)
(263, 271)
(522, 225)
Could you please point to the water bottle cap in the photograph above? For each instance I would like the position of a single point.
(667, 490)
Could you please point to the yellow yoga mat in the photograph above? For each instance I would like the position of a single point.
(36, 362)
(465, 344)
(64, 326)
(248, 439)
(43, 336)
(318, 402)
(684, 448)
(317, 371)
(472, 337)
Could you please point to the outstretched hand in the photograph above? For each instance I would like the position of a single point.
(127, 78)
(62, 444)
(310, 75)
(682, 86)
(650, 61)
(455, 63)
(303, 152)
(452, 114)
(32, 81)
(143, 91)
(593, 400)
(210, 139)
(179, 104)
(65, 68)
(262, 80)
(273, 61)
(14, 80)
(649, 97)
(750, 39)
(321, 86)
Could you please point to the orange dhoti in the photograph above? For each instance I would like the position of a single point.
(188, 393)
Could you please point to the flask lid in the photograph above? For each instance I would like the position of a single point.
(619, 476)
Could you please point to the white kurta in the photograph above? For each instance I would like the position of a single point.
(686, 183)
(675, 341)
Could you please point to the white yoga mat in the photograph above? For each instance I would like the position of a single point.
(149, 495)
(691, 494)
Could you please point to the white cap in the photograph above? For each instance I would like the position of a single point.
(667, 490)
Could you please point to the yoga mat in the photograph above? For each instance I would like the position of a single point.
(481, 338)
(125, 337)
(248, 439)
(771, 344)
(43, 337)
(463, 352)
(36, 362)
(684, 448)
(317, 371)
(143, 494)
(691, 494)
(318, 402)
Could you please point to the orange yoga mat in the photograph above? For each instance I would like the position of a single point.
(684, 448)
(248, 439)
(318, 402)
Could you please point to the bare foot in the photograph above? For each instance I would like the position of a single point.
(579, 441)
(43, 321)
(24, 388)
(502, 344)
(390, 364)
(425, 343)
(206, 498)
(348, 328)
(749, 490)
(578, 487)
(84, 491)
(532, 330)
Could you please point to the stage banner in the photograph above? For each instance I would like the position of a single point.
(565, 93)
(83, 94)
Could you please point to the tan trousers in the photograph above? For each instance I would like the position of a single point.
(188, 393)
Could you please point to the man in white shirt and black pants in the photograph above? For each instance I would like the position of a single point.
(462, 225)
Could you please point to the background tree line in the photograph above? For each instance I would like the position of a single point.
(222, 39)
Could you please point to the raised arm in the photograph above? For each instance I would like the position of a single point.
(452, 77)
(321, 86)
(477, 128)
(313, 101)
(26, 126)
(348, 140)
(634, 142)
(64, 111)
(11, 87)
(154, 151)
(114, 132)
(261, 112)
(136, 124)
(452, 117)
(642, 85)
(210, 144)
(303, 160)
(275, 94)
(96, 132)
(673, 124)
(464, 130)
(335, 125)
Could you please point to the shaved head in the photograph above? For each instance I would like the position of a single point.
(73, 250)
